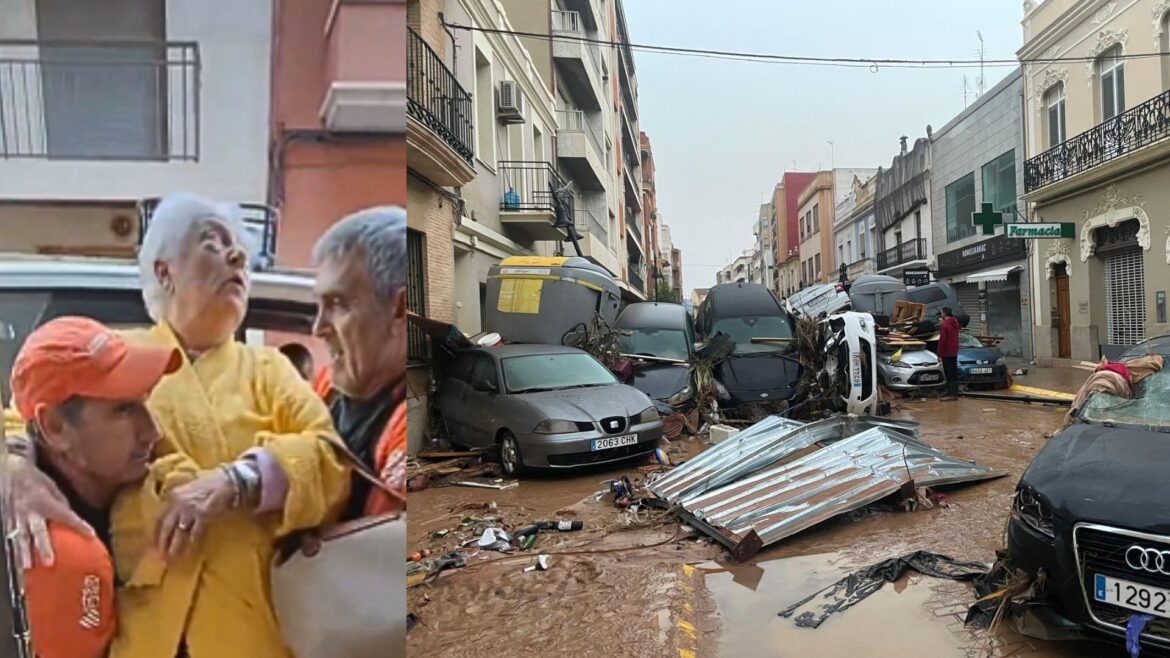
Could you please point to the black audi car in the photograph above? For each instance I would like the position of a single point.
(763, 368)
(1092, 512)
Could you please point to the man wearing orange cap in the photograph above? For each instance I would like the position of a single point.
(82, 390)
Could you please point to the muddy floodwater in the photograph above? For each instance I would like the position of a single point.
(621, 587)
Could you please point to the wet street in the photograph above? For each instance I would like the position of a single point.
(616, 587)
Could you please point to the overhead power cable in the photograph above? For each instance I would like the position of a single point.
(872, 63)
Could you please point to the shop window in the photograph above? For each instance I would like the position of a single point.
(999, 184)
(960, 197)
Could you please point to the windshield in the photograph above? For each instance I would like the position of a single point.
(743, 329)
(551, 372)
(967, 340)
(1149, 407)
(662, 343)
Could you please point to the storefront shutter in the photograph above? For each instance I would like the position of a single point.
(1125, 296)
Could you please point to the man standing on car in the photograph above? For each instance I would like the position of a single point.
(948, 351)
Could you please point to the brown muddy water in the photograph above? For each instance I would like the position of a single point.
(618, 589)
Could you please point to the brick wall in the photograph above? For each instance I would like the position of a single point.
(425, 214)
(423, 17)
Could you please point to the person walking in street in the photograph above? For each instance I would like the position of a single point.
(94, 437)
(361, 316)
(948, 351)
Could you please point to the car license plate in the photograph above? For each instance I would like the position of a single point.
(930, 377)
(615, 442)
(1134, 596)
(982, 371)
(855, 366)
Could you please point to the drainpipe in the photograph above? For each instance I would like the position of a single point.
(454, 47)
(1029, 248)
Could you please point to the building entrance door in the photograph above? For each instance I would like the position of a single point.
(1062, 317)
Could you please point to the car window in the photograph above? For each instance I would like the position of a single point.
(926, 295)
(550, 372)
(463, 368)
(742, 330)
(483, 368)
(1159, 345)
(662, 343)
(967, 340)
(1149, 406)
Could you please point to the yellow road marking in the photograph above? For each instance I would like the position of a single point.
(1042, 392)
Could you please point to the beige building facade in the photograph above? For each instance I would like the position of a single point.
(1097, 142)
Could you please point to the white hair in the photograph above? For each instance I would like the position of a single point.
(170, 224)
(378, 236)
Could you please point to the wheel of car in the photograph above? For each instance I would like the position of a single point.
(510, 459)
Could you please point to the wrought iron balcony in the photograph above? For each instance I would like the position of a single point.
(907, 252)
(636, 274)
(528, 186)
(99, 100)
(435, 97)
(1131, 130)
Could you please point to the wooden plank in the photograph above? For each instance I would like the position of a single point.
(448, 454)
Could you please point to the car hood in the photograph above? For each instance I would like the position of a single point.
(748, 377)
(978, 354)
(660, 382)
(917, 358)
(1109, 475)
(586, 404)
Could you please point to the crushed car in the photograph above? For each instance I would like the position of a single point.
(544, 407)
(906, 370)
(762, 368)
(1090, 521)
(818, 301)
(660, 338)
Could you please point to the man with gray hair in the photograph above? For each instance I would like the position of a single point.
(361, 317)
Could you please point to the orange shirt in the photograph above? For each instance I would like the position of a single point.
(390, 462)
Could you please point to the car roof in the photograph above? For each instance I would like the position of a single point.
(652, 315)
(20, 272)
(522, 349)
(734, 299)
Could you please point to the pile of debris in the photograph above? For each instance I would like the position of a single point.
(782, 476)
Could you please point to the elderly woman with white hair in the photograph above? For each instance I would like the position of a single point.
(241, 464)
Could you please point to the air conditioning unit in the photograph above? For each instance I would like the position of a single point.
(509, 102)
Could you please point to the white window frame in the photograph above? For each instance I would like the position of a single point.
(1109, 64)
(1055, 97)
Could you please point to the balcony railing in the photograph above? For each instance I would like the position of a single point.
(435, 97)
(570, 22)
(636, 273)
(633, 223)
(906, 252)
(574, 121)
(99, 100)
(528, 186)
(585, 222)
(260, 221)
(1128, 131)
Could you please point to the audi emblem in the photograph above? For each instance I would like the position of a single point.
(1152, 560)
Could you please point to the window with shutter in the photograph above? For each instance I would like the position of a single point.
(1055, 103)
(1112, 69)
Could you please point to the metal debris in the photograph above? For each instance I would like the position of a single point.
(755, 489)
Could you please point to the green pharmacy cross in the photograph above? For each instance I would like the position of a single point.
(987, 218)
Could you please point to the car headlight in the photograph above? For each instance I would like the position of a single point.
(1033, 512)
(1001, 361)
(681, 397)
(899, 364)
(556, 427)
(648, 416)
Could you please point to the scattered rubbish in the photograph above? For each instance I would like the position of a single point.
(542, 564)
(448, 454)
(495, 539)
(772, 480)
(1133, 633)
(440, 533)
(1019, 372)
(497, 484)
(411, 620)
(418, 482)
(859, 585)
(720, 433)
(660, 457)
(415, 557)
(528, 542)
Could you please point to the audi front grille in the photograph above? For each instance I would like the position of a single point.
(1102, 549)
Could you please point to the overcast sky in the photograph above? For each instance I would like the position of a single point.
(724, 131)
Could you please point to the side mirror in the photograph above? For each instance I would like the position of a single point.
(485, 386)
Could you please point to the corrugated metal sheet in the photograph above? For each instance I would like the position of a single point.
(755, 504)
(760, 446)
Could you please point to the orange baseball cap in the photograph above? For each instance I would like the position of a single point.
(75, 356)
(70, 604)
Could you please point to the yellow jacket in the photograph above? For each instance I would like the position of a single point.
(231, 399)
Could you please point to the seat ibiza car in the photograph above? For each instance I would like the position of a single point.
(544, 406)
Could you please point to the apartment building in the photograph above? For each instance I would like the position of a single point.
(902, 209)
(764, 231)
(338, 116)
(978, 160)
(786, 247)
(676, 278)
(651, 222)
(104, 104)
(816, 204)
(1097, 146)
(853, 229)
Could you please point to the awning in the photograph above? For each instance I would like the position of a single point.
(1000, 274)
